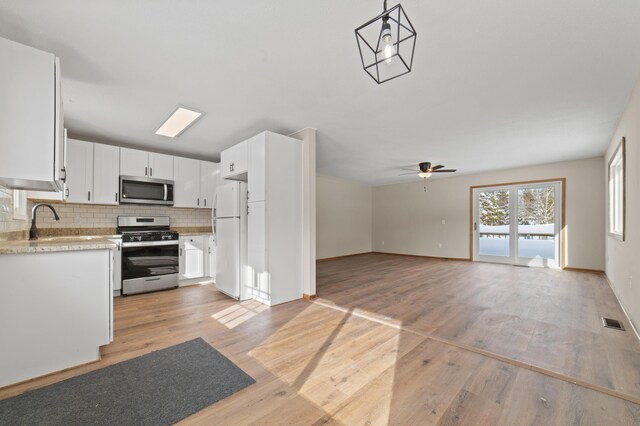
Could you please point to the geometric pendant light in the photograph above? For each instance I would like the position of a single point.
(387, 43)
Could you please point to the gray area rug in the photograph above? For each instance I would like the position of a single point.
(159, 388)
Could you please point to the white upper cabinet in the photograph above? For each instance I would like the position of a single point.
(234, 162)
(209, 181)
(256, 183)
(134, 162)
(31, 121)
(79, 183)
(160, 166)
(186, 189)
(106, 174)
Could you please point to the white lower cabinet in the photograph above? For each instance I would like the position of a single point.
(191, 253)
(210, 257)
(55, 311)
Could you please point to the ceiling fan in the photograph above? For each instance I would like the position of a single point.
(425, 170)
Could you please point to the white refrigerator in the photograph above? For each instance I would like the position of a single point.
(230, 229)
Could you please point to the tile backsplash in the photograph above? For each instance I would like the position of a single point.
(97, 216)
(91, 216)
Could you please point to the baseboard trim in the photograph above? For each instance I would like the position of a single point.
(343, 256)
(463, 259)
(309, 296)
(626, 314)
(592, 271)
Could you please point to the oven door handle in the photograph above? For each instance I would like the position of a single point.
(166, 192)
(151, 244)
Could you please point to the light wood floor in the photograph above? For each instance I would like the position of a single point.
(368, 358)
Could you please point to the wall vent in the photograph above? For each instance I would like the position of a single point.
(612, 323)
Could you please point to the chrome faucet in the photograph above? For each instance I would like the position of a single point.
(33, 232)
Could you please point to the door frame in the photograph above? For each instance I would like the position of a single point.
(563, 187)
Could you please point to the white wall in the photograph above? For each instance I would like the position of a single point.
(343, 217)
(623, 258)
(409, 221)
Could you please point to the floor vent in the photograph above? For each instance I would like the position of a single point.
(612, 323)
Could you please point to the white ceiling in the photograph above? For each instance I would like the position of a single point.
(496, 84)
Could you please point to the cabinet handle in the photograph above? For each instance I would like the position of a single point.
(145, 171)
(89, 195)
(198, 202)
(116, 197)
(150, 171)
(231, 167)
(67, 193)
(181, 251)
(205, 202)
(63, 175)
(247, 195)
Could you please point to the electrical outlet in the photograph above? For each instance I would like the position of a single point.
(382, 243)
(444, 221)
(439, 245)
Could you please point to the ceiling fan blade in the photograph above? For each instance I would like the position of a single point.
(411, 170)
(434, 168)
(404, 174)
(444, 171)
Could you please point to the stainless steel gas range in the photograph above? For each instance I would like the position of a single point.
(149, 254)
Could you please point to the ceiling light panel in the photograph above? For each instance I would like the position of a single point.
(178, 122)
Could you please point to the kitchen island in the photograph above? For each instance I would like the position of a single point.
(56, 308)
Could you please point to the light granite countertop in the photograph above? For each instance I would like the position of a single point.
(54, 244)
(194, 234)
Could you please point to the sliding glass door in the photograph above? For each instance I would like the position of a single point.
(518, 224)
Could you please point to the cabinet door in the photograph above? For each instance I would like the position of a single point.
(27, 116)
(226, 158)
(160, 166)
(210, 173)
(181, 264)
(79, 184)
(240, 158)
(211, 257)
(134, 162)
(117, 264)
(192, 255)
(186, 189)
(257, 147)
(106, 174)
(257, 251)
(234, 161)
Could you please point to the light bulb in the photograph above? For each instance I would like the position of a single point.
(388, 49)
(424, 175)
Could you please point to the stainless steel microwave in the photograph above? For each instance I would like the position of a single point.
(139, 190)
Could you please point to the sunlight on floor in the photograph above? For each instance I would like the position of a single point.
(239, 313)
(347, 355)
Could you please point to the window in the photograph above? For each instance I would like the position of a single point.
(616, 193)
(19, 205)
